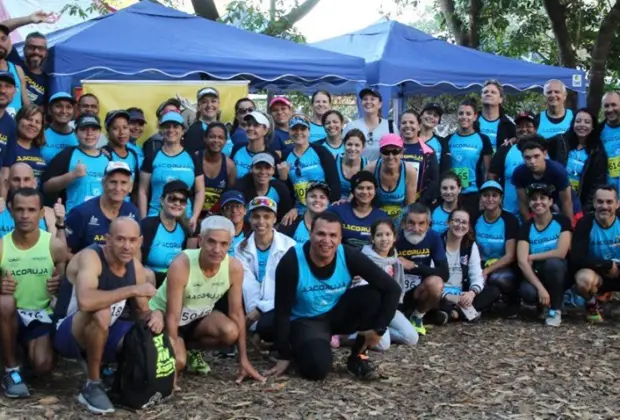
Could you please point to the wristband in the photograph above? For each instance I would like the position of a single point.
(60, 227)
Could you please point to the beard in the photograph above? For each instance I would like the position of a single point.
(414, 238)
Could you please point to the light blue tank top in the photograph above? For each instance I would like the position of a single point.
(345, 183)
(548, 129)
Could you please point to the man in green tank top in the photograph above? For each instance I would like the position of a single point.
(32, 262)
(201, 301)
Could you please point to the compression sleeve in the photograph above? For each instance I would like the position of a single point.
(287, 278)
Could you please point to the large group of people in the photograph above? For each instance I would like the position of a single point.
(302, 233)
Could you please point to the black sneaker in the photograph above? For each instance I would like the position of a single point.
(95, 399)
(228, 352)
(359, 366)
(437, 317)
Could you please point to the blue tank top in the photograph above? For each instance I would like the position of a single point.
(303, 170)
(243, 161)
(130, 159)
(317, 132)
(56, 142)
(604, 242)
(514, 158)
(434, 144)
(214, 187)
(345, 183)
(317, 296)
(16, 104)
(574, 167)
(7, 224)
(236, 241)
(302, 234)
(414, 154)
(89, 186)
(168, 168)
(334, 151)
(166, 245)
(392, 202)
(273, 194)
(139, 152)
(439, 220)
(610, 136)
(548, 129)
(465, 153)
(491, 238)
(490, 129)
(263, 256)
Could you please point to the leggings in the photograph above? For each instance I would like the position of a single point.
(553, 274)
(507, 282)
(265, 327)
(356, 310)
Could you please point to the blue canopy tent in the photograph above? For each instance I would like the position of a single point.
(151, 41)
(401, 61)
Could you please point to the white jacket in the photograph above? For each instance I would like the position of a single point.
(255, 294)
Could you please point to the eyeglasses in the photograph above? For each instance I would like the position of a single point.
(36, 47)
(460, 222)
(174, 199)
(393, 152)
(244, 110)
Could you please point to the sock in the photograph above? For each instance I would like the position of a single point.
(90, 381)
(358, 345)
(418, 314)
(13, 369)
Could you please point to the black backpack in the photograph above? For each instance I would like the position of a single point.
(146, 366)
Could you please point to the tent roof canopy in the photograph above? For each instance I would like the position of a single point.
(148, 39)
(403, 57)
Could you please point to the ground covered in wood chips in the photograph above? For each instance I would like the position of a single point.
(495, 369)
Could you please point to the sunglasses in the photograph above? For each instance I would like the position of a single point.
(393, 152)
(298, 168)
(174, 199)
(244, 110)
(369, 138)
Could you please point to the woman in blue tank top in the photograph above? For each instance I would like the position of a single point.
(450, 189)
(259, 130)
(30, 139)
(219, 171)
(333, 122)
(321, 104)
(170, 162)
(396, 179)
(351, 161)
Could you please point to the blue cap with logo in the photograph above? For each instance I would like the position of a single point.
(491, 185)
(7, 76)
(61, 96)
(171, 116)
(296, 120)
(232, 196)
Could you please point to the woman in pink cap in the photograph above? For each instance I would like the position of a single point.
(397, 180)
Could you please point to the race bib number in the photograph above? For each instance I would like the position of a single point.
(300, 191)
(613, 165)
(463, 174)
(116, 310)
(392, 210)
(27, 316)
(411, 282)
(490, 262)
(210, 199)
(190, 315)
(574, 183)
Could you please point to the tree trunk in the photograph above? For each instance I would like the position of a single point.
(556, 11)
(286, 22)
(475, 7)
(206, 9)
(454, 22)
(600, 52)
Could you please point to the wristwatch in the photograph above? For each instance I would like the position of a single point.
(60, 227)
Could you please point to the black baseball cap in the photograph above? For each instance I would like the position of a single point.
(137, 115)
(370, 91)
(87, 120)
(176, 186)
(433, 106)
(118, 113)
(7, 76)
(320, 185)
(539, 187)
(525, 115)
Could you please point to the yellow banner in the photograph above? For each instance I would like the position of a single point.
(148, 95)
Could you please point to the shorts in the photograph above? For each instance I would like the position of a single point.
(67, 346)
(187, 330)
(159, 278)
(409, 301)
(32, 331)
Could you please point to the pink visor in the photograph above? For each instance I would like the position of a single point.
(391, 140)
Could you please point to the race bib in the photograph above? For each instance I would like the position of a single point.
(412, 281)
(392, 210)
(116, 310)
(452, 290)
(300, 191)
(27, 316)
(613, 165)
(463, 174)
(574, 183)
(190, 315)
(490, 262)
(210, 199)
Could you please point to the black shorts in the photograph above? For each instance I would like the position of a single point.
(187, 330)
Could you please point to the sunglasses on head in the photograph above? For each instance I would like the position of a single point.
(175, 199)
(262, 202)
(393, 152)
(541, 188)
(245, 110)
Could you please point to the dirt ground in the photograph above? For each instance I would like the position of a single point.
(494, 369)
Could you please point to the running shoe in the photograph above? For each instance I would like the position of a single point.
(604, 297)
(554, 318)
(418, 324)
(359, 366)
(14, 386)
(196, 364)
(95, 399)
(593, 313)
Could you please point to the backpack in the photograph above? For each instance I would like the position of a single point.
(146, 366)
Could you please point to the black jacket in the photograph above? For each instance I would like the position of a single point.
(193, 139)
(594, 174)
(505, 130)
(246, 186)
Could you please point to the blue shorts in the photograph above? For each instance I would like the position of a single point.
(32, 331)
(67, 346)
